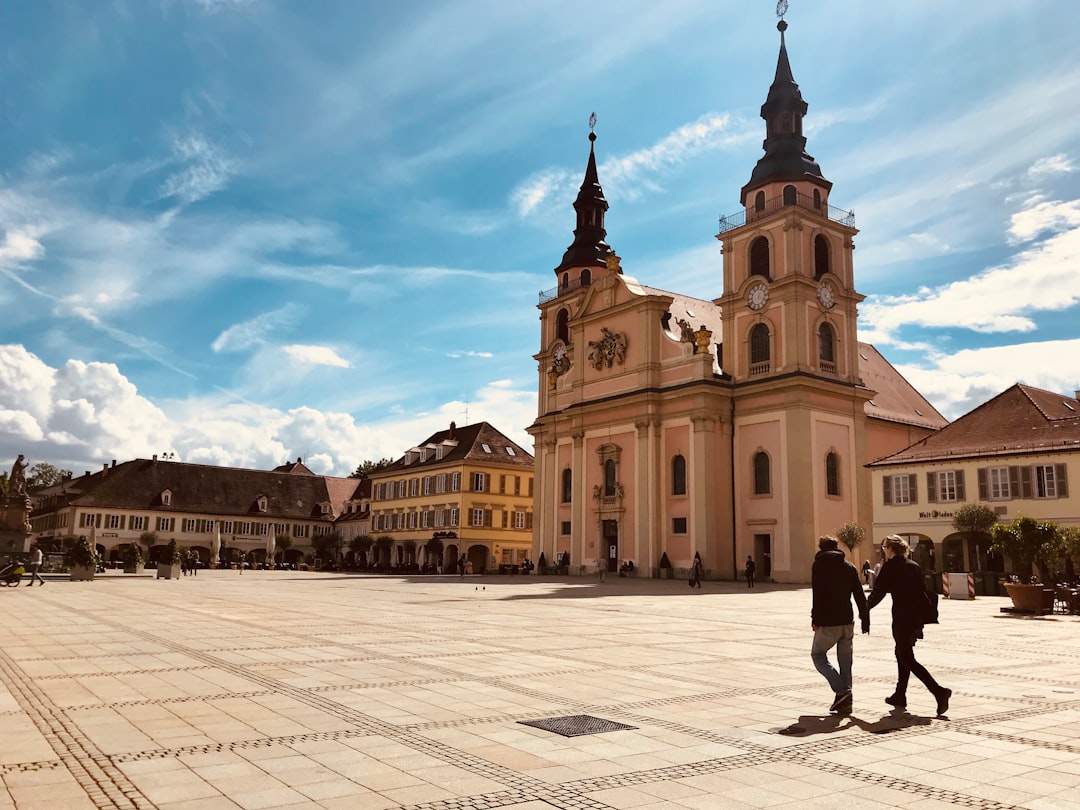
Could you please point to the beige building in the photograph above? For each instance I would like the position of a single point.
(1015, 453)
(471, 488)
(733, 427)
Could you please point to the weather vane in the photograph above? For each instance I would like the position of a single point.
(781, 8)
(592, 122)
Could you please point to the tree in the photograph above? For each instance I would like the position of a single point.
(328, 546)
(974, 520)
(45, 475)
(282, 542)
(1028, 542)
(3, 483)
(383, 543)
(366, 468)
(359, 547)
(851, 535)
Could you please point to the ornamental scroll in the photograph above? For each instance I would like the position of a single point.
(609, 349)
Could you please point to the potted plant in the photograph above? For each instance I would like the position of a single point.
(133, 558)
(974, 521)
(541, 564)
(1028, 543)
(666, 571)
(169, 564)
(80, 558)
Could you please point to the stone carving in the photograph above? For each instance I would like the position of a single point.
(686, 331)
(16, 514)
(609, 349)
(17, 479)
(702, 337)
(560, 364)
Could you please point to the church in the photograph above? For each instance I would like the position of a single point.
(733, 428)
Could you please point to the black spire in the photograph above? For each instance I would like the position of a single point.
(588, 248)
(785, 147)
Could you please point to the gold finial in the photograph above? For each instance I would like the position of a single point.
(612, 262)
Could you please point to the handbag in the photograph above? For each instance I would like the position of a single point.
(930, 611)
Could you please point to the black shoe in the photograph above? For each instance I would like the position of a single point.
(898, 701)
(843, 702)
(943, 701)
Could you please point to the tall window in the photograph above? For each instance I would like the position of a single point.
(821, 255)
(759, 348)
(759, 257)
(948, 486)
(762, 473)
(586, 277)
(759, 201)
(479, 482)
(1045, 481)
(832, 474)
(900, 490)
(609, 477)
(678, 475)
(999, 483)
(562, 326)
(791, 195)
(826, 343)
(567, 485)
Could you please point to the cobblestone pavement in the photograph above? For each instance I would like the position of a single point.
(303, 690)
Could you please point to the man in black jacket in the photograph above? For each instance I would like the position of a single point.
(835, 584)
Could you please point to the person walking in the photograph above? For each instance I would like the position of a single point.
(835, 582)
(601, 568)
(34, 566)
(695, 571)
(866, 572)
(903, 579)
(461, 563)
(749, 569)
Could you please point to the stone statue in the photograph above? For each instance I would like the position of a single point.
(17, 480)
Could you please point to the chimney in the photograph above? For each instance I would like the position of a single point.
(299, 459)
(87, 473)
(114, 462)
(154, 457)
(104, 468)
(453, 430)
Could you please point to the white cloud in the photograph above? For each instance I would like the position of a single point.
(257, 330)
(457, 355)
(20, 245)
(315, 355)
(1055, 164)
(206, 169)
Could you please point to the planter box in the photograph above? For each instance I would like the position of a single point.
(131, 569)
(168, 571)
(81, 573)
(1030, 598)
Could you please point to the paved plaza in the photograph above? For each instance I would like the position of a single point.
(303, 690)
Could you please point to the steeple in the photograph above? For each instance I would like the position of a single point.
(785, 147)
(588, 248)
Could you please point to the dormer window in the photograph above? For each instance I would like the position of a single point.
(166, 498)
(260, 503)
(324, 508)
(438, 452)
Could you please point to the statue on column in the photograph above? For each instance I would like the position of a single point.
(16, 514)
(17, 479)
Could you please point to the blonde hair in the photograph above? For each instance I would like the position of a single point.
(897, 543)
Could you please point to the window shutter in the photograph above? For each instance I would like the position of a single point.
(487, 518)
(528, 520)
(984, 490)
(506, 519)
(1062, 480)
(960, 496)
(931, 487)
(913, 482)
(886, 483)
(1019, 482)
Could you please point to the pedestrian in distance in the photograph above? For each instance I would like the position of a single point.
(34, 566)
(601, 568)
(461, 563)
(867, 571)
(695, 571)
(902, 578)
(835, 582)
(749, 570)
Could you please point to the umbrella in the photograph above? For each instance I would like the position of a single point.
(216, 553)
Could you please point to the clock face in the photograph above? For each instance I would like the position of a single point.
(758, 296)
(825, 296)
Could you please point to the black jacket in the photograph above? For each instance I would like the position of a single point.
(835, 583)
(903, 578)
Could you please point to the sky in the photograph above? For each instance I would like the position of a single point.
(248, 231)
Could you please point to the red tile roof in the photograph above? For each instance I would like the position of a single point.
(896, 399)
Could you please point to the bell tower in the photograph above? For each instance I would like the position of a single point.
(789, 300)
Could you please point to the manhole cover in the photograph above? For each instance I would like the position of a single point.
(576, 725)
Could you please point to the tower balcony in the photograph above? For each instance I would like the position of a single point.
(562, 289)
(804, 201)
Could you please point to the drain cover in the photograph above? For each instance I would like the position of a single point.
(576, 725)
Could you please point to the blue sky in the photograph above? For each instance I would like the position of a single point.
(245, 231)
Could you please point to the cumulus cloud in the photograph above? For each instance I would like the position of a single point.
(315, 355)
(19, 246)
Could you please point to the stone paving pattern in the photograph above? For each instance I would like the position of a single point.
(304, 690)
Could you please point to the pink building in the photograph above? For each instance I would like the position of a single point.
(735, 427)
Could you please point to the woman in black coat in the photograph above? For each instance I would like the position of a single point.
(903, 579)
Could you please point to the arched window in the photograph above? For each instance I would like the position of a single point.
(791, 196)
(759, 349)
(762, 473)
(562, 326)
(826, 343)
(821, 256)
(832, 474)
(759, 257)
(817, 198)
(609, 477)
(565, 280)
(586, 277)
(759, 202)
(678, 475)
(567, 485)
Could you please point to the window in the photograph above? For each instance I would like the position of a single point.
(412, 520)
(821, 253)
(609, 478)
(479, 517)
(165, 524)
(401, 487)
(946, 486)
(166, 498)
(567, 485)
(678, 475)
(453, 517)
(562, 326)
(817, 200)
(900, 490)
(760, 349)
(243, 527)
(438, 452)
(261, 504)
(425, 519)
(440, 483)
(791, 195)
(427, 484)
(1046, 480)
(564, 527)
(455, 482)
(487, 448)
(117, 521)
(759, 257)
(138, 523)
(999, 483)
(510, 451)
(762, 473)
(586, 277)
(678, 525)
(826, 345)
(832, 474)
(522, 520)
(479, 481)
(414, 487)
(759, 201)
(440, 517)
(188, 525)
(227, 527)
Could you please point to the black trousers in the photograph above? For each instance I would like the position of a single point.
(905, 637)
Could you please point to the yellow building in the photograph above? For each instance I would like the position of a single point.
(470, 489)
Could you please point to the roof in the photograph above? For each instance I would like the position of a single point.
(298, 467)
(200, 488)
(895, 400)
(1020, 419)
(463, 444)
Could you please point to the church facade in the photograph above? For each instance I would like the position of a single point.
(733, 428)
